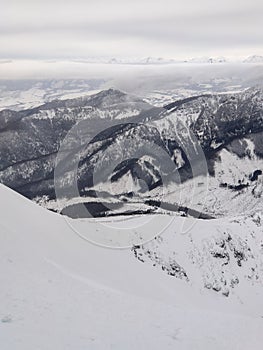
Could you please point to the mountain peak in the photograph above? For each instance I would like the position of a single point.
(254, 59)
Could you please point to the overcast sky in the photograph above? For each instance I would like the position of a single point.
(60, 29)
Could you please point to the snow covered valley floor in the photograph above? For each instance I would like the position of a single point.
(197, 290)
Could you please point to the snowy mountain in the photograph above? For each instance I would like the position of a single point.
(228, 130)
(143, 61)
(61, 288)
(157, 60)
(227, 162)
(191, 272)
(207, 60)
(254, 59)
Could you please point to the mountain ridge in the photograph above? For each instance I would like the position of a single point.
(214, 120)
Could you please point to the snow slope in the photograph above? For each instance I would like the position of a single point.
(59, 291)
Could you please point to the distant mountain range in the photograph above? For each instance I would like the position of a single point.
(151, 60)
(161, 60)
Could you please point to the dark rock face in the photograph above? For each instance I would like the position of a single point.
(31, 139)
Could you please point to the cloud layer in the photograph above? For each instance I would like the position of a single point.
(34, 29)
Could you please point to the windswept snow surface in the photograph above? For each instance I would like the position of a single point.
(59, 291)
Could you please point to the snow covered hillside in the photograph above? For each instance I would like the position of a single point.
(130, 152)
(23, 94)
(59, 291)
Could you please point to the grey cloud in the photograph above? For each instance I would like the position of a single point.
(76, 29)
